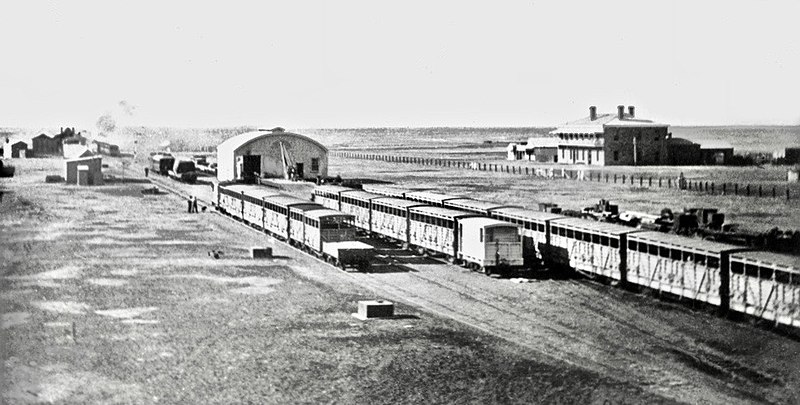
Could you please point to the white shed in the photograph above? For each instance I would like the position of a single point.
(271, 153)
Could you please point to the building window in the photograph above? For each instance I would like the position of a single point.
(616, 135)
(314, 164)
(616, 155)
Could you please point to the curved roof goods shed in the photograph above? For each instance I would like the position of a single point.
(271, 154)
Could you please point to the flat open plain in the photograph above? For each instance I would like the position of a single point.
(110, 296)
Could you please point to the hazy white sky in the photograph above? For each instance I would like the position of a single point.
(303, 64)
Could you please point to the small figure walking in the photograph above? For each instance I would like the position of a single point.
(189, 201)
(146, 171)
(194, 204)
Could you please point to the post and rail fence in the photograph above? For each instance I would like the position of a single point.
(706, 187)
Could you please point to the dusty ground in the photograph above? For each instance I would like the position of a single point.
(110, 297)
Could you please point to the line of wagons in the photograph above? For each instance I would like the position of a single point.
(484, 235)
(179, 169)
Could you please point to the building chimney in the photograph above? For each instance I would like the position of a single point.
(631, 110)
(620, 111)
(592, 113)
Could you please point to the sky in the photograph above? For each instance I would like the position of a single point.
(345, 64)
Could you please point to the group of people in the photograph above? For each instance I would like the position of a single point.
(192, 204)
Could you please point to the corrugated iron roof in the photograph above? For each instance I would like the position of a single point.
(684, 242)
(398, 202)
(527, 214)
(487, 222)
(595, 226)
(431, 196)
(285, 200)
(587, 126)
(317, 214)
(440, 212)
(474, 205)
(333, 189)
(362, 195)
(384, 189)
(770, 258)
(229, 145)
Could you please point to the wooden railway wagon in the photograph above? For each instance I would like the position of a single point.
(331, 235)
(534, 227)
(390, 217)
(329, 195)
(434, 229)
(430, 198)
(386, 190)
(297, 218)
(359, 204)
(488, 244)
(686, 267)
(161, 164)
(766, 285)
(276, 214)
(589, 246)
(184, 170)
(244, 202)
(476, 206)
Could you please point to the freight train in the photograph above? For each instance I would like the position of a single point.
(179, 169)
(483, 234)
(325, 233)
(470, 239)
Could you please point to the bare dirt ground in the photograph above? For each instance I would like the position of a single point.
(109, 296)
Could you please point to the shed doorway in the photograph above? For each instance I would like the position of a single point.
(300, 174)
(251, 168)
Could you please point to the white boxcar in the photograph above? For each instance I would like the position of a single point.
(329, 195)
(434, 228)
(430, 197)
(358, 204)
(686, 267)
(297, 218)
(349, 254)
(534, 227)
(486, 243)
(589, 246)
(276, 214)
(766, 285)
(387, 190)
(476, 206)
(390, 217)
(326, 225)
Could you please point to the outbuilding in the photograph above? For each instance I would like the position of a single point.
(271, 153)
(19, 149)
(92, 165)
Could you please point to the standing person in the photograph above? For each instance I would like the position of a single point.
(189, 201)
(194, 204)
(146, 171)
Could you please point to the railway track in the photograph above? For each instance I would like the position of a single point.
(499, 315)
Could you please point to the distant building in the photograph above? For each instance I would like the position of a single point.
(715, 152)
(612, 139)
(537, 149)
(271, 153)
(792, 155)
(105, 148)
(682, 152)
(19, 149)
(44, 145)
(90, 167)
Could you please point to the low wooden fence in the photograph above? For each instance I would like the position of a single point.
(707, 187)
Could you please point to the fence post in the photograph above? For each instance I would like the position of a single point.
(669, 182)
(787, 193)
(724, 188)
(659, 182)
(640, 180)
(615, 178)
(606, 177)
(748, 190)
(650, 182)
(759, 190)
(773, 191)
(712, 187)
(736, 189)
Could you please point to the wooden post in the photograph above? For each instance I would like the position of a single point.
(748, 190)
(724, 188)
(606, 177)
(650, 182)
(712, 187)
(759, 190)
(669, 182)
(773, 191)
(659, 182)
(615, 178)
(787, 193)
(736, 189)
(640, 180)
